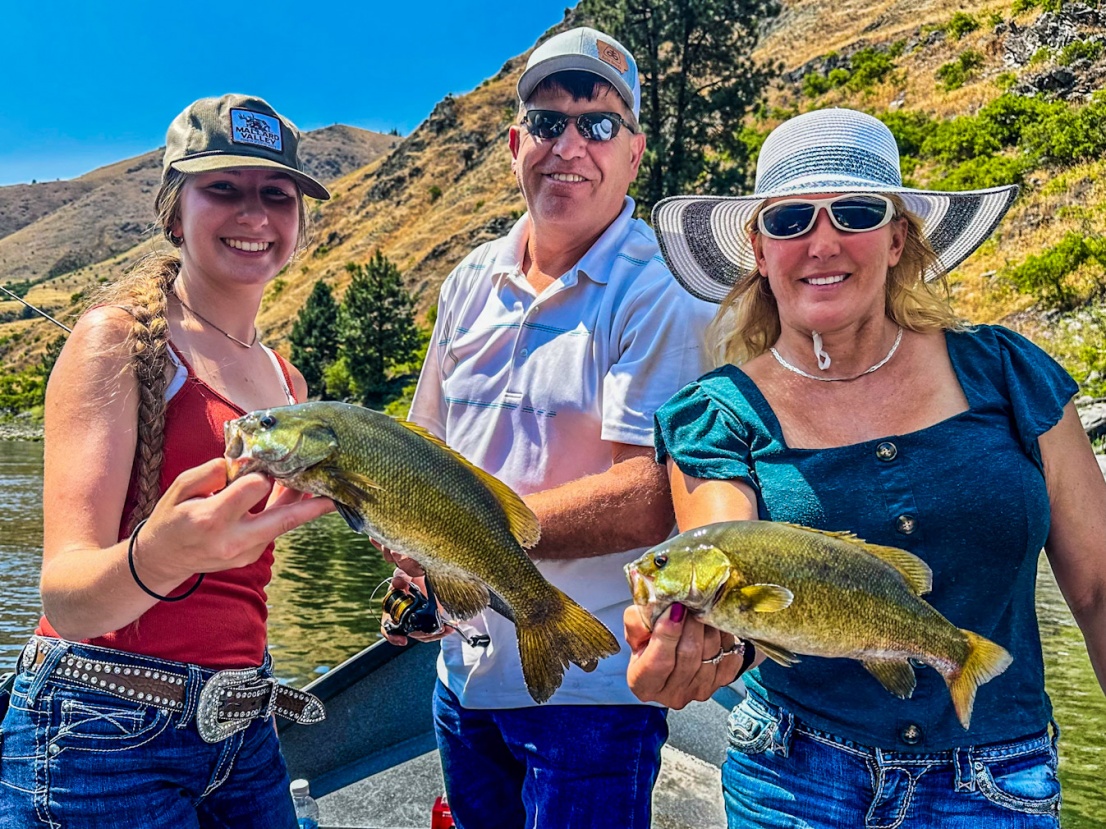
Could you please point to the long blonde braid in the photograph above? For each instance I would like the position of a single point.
(142, 293)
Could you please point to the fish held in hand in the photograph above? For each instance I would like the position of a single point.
(399, 484)
(796, 590)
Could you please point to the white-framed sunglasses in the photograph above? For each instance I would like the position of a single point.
(850, 213)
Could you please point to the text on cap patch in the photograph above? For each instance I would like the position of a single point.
(248, 127)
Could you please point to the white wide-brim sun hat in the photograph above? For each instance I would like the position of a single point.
(704, 240)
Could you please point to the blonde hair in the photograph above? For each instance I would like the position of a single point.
(143, 292)
(748, 320)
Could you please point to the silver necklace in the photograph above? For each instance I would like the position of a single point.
(204, 319)
(801, 373)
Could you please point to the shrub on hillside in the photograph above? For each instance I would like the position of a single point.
(1079, 50)
(910, 128)
(1079, 344)
(869, 67)
(960, 25)
(960, 139)
(1067, 134)
(985, 171)
(955, 74)
(1020, 6)
(1045, 274)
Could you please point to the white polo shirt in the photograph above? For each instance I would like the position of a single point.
(535, 389)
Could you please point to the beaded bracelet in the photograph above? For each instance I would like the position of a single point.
(138, 581)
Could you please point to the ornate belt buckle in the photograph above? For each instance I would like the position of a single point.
(215, 690)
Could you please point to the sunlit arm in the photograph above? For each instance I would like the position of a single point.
(1076, 545)
(623, 508)
(666, 663)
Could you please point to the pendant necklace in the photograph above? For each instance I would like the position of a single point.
(801, 373)
(230, 337)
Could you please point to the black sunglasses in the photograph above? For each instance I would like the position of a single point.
(547, 124)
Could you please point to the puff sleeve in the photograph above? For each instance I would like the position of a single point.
(1037, 388)
(704, 435)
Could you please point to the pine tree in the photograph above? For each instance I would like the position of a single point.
(315, 337)
(698, 80)
(378, 329)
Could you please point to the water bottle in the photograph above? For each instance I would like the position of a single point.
(307, 810)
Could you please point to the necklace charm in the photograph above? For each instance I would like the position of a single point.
(205, 320)
(801, 373)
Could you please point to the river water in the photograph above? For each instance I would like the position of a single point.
(322, 610)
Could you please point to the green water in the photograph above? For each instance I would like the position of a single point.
(321, 612)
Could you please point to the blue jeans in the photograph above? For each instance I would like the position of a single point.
(74, 758)
(550, 766)
(780, 774)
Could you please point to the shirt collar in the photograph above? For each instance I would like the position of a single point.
(595, 264)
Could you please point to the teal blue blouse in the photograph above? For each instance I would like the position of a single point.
(967, 495)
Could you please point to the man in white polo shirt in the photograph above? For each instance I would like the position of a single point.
(553, 347)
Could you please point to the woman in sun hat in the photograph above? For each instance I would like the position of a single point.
(850, 397)
(146, 696)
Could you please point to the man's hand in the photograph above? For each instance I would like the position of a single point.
(402, 581)
(672, 663)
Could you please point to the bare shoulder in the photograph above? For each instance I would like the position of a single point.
(299, 384)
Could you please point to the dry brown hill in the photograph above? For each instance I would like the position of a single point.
(51, 229)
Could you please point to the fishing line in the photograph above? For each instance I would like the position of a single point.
(37, 310)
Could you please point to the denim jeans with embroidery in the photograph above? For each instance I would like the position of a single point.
(74, 758)
(549, 766)
(780, 774)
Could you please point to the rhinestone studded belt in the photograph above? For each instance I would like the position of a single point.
(228, 701)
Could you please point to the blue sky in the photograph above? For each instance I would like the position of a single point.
(89, 83)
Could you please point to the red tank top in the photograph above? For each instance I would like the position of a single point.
(222, 624)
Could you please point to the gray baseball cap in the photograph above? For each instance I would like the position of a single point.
(236, 131)
(584, 50)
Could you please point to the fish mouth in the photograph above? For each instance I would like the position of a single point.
(239, 452)
(645, 596)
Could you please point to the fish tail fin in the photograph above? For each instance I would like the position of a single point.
(985, 661)
(566, 634)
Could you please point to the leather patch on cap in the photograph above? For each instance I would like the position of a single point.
(257, 128)
(608, 54)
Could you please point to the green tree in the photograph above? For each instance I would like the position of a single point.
(378, 330)
(315, 337)
(698, 80)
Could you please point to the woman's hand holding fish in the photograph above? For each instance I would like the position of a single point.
(670, 664)
(202, 524)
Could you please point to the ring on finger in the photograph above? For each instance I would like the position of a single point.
(736, 647)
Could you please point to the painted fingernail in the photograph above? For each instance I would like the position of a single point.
(677, 613)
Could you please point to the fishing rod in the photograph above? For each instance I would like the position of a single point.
(38, 311)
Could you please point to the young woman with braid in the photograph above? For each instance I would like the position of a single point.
(146, 697)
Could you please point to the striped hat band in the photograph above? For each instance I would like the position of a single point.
(704, 238)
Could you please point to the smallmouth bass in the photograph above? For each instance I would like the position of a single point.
(399, 484)
(796, 590)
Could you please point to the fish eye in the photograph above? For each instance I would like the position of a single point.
(660, 560)
(267, 421)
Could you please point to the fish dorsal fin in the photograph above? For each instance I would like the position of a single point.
(765, 598)
(896, 676)
(521, 520)
(914, 571)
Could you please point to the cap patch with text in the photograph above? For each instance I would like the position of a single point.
(255, 128)
(612, 56)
